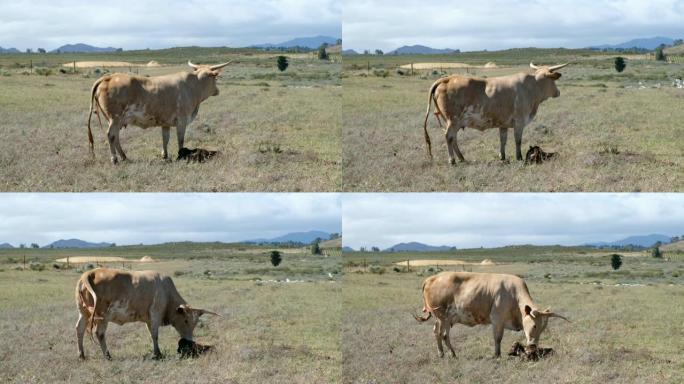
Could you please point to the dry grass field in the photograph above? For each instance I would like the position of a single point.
(272, 330)
(274, 131)
(611, 132)
(626, 324)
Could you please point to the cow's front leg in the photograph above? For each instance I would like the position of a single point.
(101, 328)
(80, 331)
(180, 134)
(518, 131)
(503, 137)
(498, 331)
(166, 132)
(153, 328)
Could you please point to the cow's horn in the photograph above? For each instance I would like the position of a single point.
(557, 67)
(203, 311)
(194, 66)
(219, 66)
(557, 315)
(533, 66)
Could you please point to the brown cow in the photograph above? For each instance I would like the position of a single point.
(478, 299)
(161, 101)
(498, 102)
(110, 295)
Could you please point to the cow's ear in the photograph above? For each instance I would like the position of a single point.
(554, 75)
(528, 310)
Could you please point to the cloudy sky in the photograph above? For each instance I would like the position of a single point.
(154, 218)
(491, 220)
(500, 24)
(135, 24)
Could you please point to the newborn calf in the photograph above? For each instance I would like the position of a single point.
(198, 155)
(531, 352)
(189, 348)
(536, 155)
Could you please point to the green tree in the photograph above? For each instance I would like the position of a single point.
(35, 246)
(276, 258)
(282, 63)
(655, 252)
(322, 53)
(620, 64)
(315, 249)
(378, 52)
(615, 261)
(659, 55)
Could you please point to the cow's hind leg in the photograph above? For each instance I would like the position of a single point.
(113, 138)
(166, 132)
(80, 331)
(437, 329)
(101, 328)
(503, 137)
(518, 132)
(447, 339)
(452, 144)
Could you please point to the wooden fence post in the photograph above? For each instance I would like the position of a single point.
(411, 69)
(31, 66)
(74, 66)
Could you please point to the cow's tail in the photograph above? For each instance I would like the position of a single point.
(94, 107)
(85, 281)
(431, 96)
(426, 309)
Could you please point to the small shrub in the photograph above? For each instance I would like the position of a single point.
(276, 258)
(615, 261)
(282, 63)
(396, 269)
(36, 266)
(315, 249)
(178, 273)
(376, 269)
(380, 73)
(44, 71)
(620, 64)
(655, 252)
(56, 266)
(322, 53)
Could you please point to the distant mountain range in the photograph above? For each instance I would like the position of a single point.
(644, 43)
(639, 241)
(418, 247)
(76, 243)
(349, 52)
(6, 246)
(308, 42)
(82, 48)
(347, 249)
(295, 237)
(420, 50)
(9, 50)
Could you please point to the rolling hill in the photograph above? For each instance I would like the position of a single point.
(308, 42)
(9, 50)
(76, 243)
(418, 247)
(420, 50)
(645, 43)
(6, 246)
(294, 237)
(640, 241)
(82, 48)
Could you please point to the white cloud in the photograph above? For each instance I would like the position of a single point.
(133, 24)
(484, 219)
(500, 24)
(130, 218)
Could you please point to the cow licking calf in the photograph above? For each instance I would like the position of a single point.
(161, 101)
(497, 102)
(479, 299)
(109, 295)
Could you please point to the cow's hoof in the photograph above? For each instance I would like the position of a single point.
(108, 356)
(452, 161)
(115, 161)
(81, 357)
(441, 355)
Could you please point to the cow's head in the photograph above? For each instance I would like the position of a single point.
(185, 319)
(207, 74)
(546, 78)
(534, 323)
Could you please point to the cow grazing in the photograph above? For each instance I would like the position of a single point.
(480, 299)
(109, 295)
(498, 102)
(161, 101)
